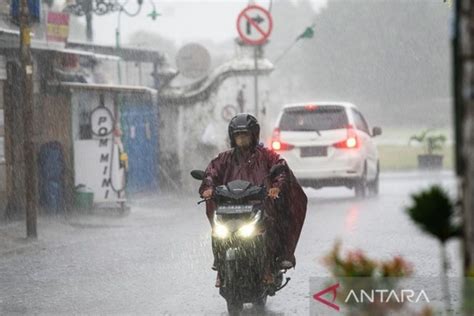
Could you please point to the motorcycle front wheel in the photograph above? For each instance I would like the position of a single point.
(260, 304)
(234, 308)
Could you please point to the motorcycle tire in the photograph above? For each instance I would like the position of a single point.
(234, 308)
(259, 305)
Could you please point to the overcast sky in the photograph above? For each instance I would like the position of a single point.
(182, 21)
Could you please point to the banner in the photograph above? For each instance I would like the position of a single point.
(57, 27)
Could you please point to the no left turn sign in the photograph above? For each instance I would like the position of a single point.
(254, 25)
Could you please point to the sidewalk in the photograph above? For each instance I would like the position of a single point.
(54, 231)
(417, 174)
(13, 235)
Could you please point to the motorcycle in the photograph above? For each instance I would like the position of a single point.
(238, 239)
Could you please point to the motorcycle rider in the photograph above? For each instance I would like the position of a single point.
(248, 160)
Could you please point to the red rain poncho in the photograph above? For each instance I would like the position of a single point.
(254, 167)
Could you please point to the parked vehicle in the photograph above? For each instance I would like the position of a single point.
(238, 237)
(329, 144)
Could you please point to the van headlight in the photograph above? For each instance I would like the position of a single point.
(247, 230)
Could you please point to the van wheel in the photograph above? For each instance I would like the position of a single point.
(360, 187)
(374, 185)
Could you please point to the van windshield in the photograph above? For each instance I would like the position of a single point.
(321, 118)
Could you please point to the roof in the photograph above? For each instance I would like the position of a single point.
(77, 52)
(9, 39)
(126, 53)
(320, 103)
(9, 32)
(105, 87)
(199, 90)
(10, 43)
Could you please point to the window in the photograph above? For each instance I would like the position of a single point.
(85, 129)
(321, 118)
(360, 122)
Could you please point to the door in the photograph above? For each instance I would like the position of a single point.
(371, 150)
(140, 140)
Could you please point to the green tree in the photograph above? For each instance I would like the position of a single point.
(434, 212)
(389, 57)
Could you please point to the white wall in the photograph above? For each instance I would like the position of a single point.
(194, 152)
(96, 160)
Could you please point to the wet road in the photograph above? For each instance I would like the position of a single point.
(157, 260)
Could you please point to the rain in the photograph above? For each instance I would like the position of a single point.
(327, 139)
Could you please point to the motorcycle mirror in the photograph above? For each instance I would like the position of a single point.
(197, 174)
(275, 170)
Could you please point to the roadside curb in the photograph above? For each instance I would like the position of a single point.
(416, 174)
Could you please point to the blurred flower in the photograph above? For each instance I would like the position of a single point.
(396, 267)
(358, 264)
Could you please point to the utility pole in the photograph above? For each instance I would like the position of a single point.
(27, 105)
(463, 53)
(464, 118)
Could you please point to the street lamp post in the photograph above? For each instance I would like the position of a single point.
(101, 7)
(89, 31)
(122, 9)
(117, 36)
(153, 15)
(88, 8)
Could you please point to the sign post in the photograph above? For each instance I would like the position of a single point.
(254, 25)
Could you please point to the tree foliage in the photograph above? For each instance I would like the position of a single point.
(389, 57)
(433, 211)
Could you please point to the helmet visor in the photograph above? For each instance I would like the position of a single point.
(240, 131)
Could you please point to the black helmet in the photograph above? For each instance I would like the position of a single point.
(244, 122)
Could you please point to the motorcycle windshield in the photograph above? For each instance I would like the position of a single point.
(238, 189)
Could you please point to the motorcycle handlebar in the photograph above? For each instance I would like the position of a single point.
(212, 198)
(204, 200)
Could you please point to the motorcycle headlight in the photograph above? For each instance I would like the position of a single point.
(247, 230)
(219, 229)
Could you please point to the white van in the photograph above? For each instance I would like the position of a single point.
(328, 144)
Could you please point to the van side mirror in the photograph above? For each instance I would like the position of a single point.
(376, 131)
(198, 174)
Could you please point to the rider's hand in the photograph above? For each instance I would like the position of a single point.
(207, 194)
(273, 193)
